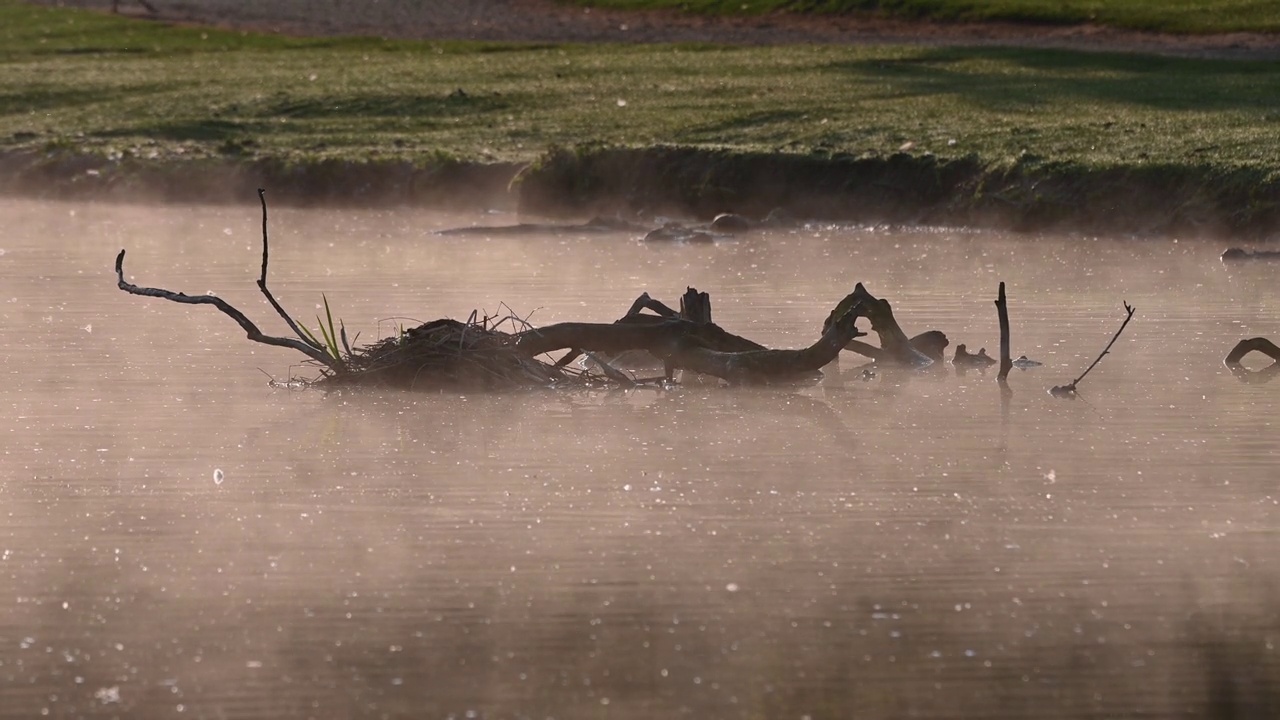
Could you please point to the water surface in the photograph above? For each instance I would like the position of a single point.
(179, 539)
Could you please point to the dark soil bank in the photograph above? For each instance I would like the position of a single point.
(68, 175)
(1024, 195)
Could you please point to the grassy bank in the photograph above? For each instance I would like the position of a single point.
(91, 102)
(1179, 16)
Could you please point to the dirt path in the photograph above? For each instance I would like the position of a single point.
(548, 21)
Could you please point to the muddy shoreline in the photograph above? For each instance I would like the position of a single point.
(1023, 195)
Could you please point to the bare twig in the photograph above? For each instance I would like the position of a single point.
(1069, 390)
(1002, 310)
(250, 329)
(262, 281)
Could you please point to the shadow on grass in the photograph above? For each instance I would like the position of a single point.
(1010, 78)
(456, 104)
(189, 131)
(36, 98)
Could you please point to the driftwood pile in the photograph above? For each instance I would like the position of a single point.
(480, 355)
(448, 354)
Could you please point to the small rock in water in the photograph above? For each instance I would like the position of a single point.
(218, 476)
(731, 223)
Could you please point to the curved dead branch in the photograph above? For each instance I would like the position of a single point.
(1249, 345)
(229, 310)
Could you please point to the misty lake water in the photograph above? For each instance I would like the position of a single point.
(178, 539)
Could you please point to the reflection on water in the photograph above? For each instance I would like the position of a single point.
(178, 539)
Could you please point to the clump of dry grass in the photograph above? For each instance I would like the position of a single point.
(448, 354)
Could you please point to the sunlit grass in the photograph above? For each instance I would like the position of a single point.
(87, 82)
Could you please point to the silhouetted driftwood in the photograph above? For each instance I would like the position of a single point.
(895, 346)
(695, 306)
(303, 343)
(1249, 345)
(478, 354)
(765, 366)
(250, 328)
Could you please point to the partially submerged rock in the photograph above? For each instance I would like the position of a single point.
(731, 223)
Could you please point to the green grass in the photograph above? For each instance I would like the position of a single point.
(1179, 16)
(82, 82)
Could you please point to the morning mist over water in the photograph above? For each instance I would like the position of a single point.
(179, 539)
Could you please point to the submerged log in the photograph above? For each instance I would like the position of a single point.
(633, 332)
(702, 347)
(1249, 345)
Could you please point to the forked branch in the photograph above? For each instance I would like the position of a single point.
(262, 284)
(229, 310)
(1069, 390)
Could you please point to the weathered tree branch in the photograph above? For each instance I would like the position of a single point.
(633, 332)
(250, 329)
(1069, 390)
(262, 282)
(895, 346)
(931, 344)
(767, 366)
(698, 346)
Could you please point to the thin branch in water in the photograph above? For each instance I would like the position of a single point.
(250, 329)
(262, 281)
(1069, 390)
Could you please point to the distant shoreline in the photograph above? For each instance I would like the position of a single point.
(697, 184)
(104, 108)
